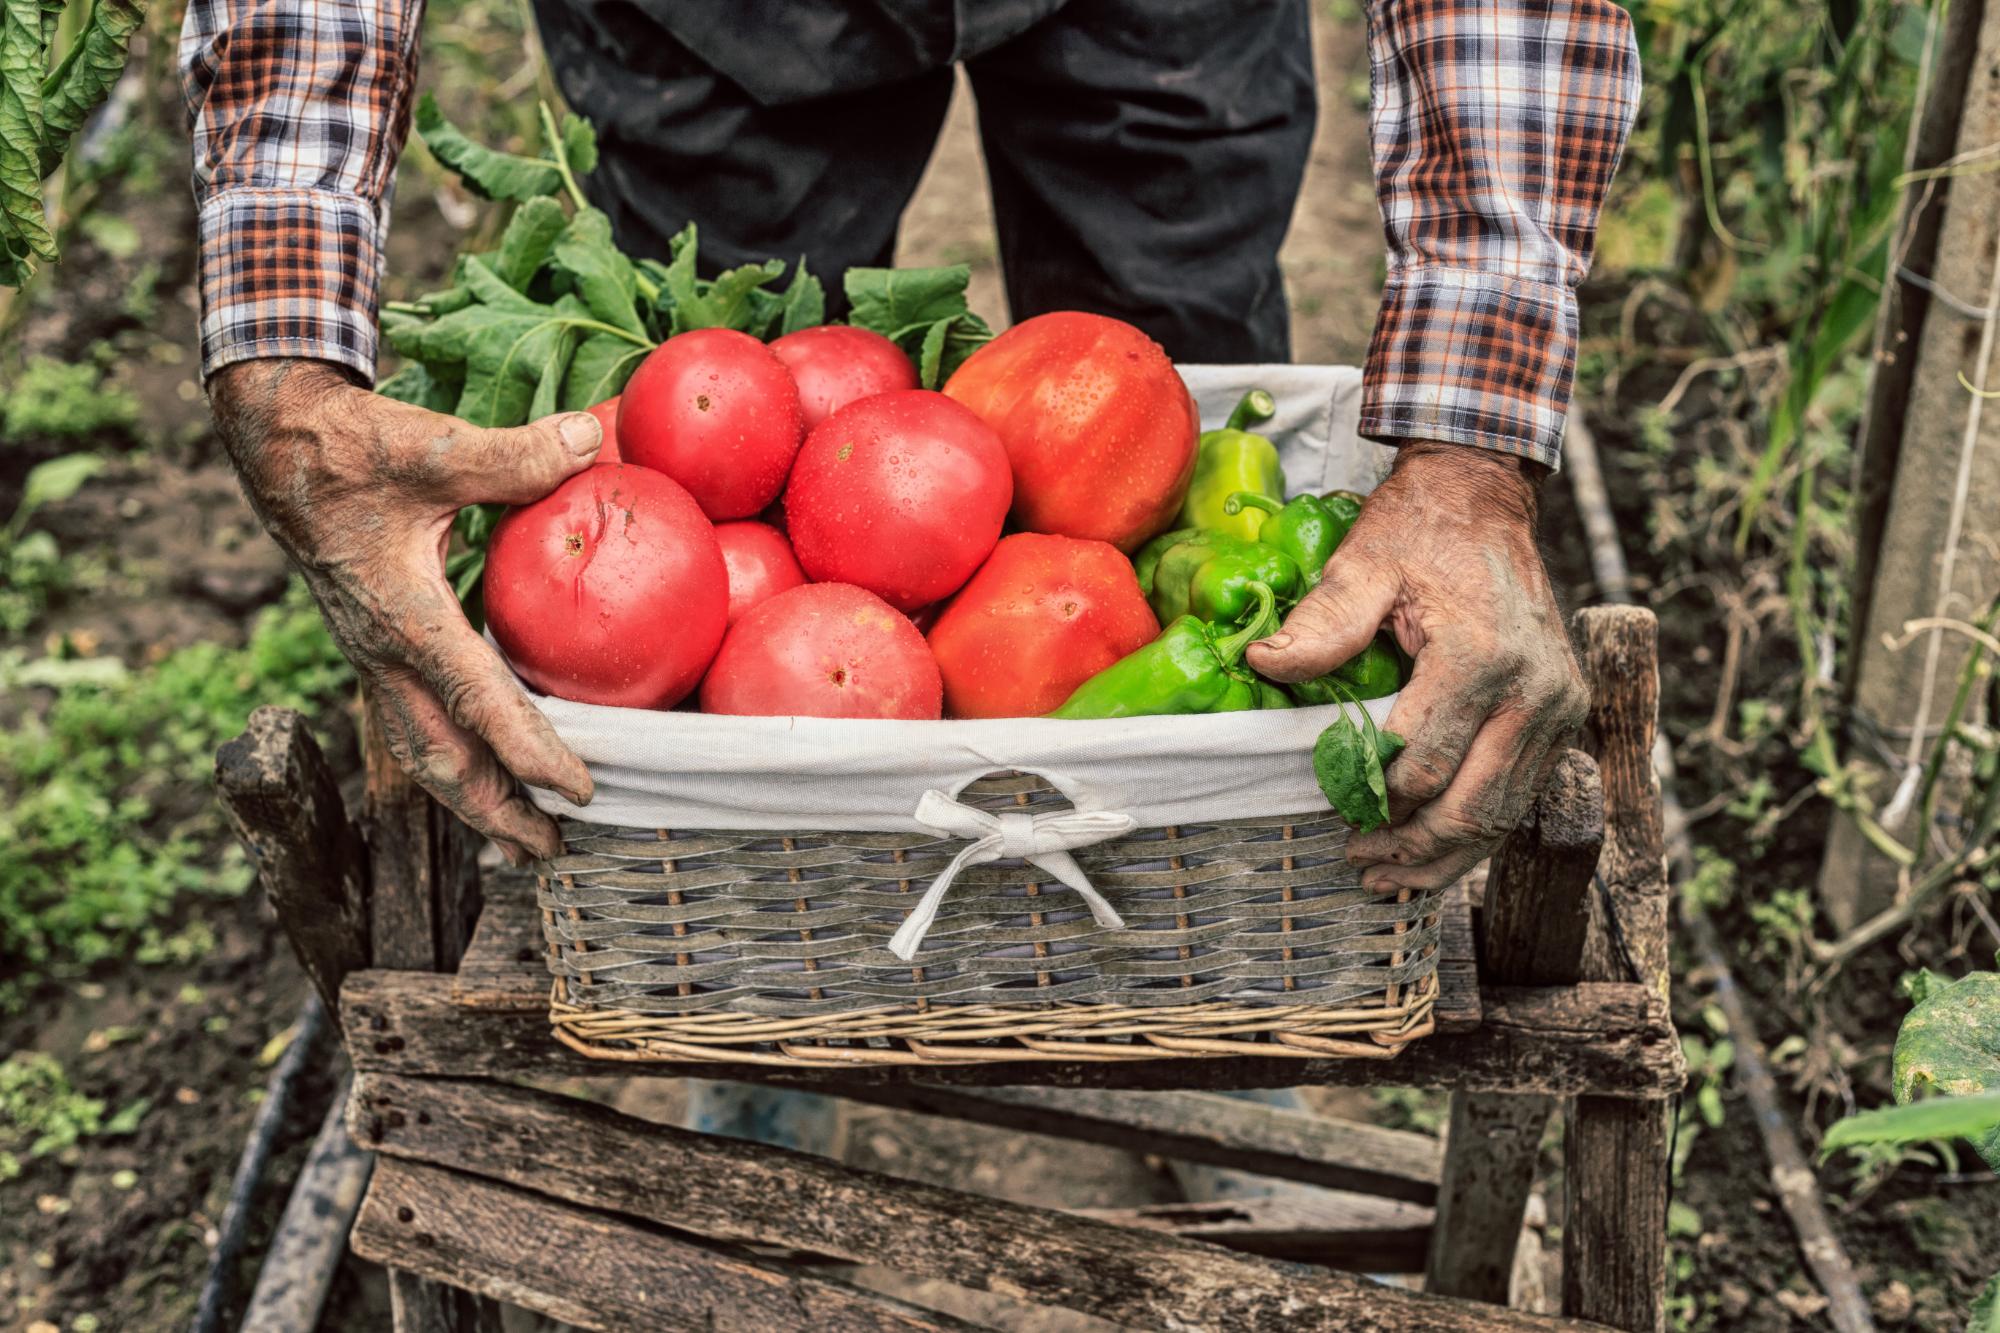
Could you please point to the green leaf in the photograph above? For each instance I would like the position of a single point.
(24, 229)
(87, 74)
(805, 301)
(52, 483)
(931, 359)
(488, 174)
(483, 280)
(1950, 1044)
(921, 310)
(550, 374)
(1986, 1308)
(1976, 1118)
(503, 368)
(599, 370)
(579, 145)
(604, 276)
(126, 1121)
(1348, 762)
(529, 241)
(415, 384)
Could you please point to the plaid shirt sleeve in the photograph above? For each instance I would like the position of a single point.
(299, 111)
(1496, 127)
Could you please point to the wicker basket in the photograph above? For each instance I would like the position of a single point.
(1250, 938)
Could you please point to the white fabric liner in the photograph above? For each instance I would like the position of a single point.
(686, 770)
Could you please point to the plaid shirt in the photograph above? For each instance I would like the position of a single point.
(1496, 126)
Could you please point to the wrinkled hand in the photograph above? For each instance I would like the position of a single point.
(1445, 552)
(361, 492)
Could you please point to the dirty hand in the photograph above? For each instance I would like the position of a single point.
(361, 492)
(1445, 552)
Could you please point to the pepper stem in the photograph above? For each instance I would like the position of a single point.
(1239, 501)
(1229, 649)
(1257, 406)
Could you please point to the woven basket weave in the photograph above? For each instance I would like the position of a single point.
(1250, 938)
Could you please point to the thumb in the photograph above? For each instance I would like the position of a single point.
(521, 464)
(1330, 624)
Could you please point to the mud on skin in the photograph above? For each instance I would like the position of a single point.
(360, 491)
(1444, 552)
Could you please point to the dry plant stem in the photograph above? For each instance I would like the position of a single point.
(1791, 1175)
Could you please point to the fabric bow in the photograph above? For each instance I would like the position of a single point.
(1045, 840)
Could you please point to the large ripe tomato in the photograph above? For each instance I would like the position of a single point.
(837, 364)
(1097, 423)
(902, 494)
(714, 410)
(1042, 616)
(824, 650)
(606, 413)
(609, 590)
(760, 563)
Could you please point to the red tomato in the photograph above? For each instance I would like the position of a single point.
(714, 410)
(824, 650)
(760, 562)
(837, 364)
(1042, 616)
(902, 494)
(606, 413)
(1098, 426)
(609, 590)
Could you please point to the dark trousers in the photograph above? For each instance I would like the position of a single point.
(1144, 155)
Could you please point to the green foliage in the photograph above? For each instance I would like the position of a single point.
(923, 311)
(40, 1113)
(104, 818)
(35, 575)
(64, 401)
(1348, 762)
(43, 101)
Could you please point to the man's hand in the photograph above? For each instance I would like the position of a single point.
(1445, 552)
(361, 492)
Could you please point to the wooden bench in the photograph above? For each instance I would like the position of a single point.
(1553, 987)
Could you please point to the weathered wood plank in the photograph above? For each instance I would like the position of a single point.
(1536, 916)
(1354, 1232)
(1617, 1040)
(1457, 1007)
(1197, 1127)
(285, 805)
(595, 1271)
(1615, 1180)
(746, 1193)
(424, 899)
(503, 966)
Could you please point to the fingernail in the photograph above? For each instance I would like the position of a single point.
(575, 798)
(1277, 643)
(581, 434)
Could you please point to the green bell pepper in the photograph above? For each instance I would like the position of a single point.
(1306, 528)
(1148, 560)
(1210, 575)
(1377, 670)
(1191, 668)
(1229, 460)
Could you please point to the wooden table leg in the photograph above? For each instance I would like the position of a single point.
(1615, 1184)
(1533, 927)
(425, 901)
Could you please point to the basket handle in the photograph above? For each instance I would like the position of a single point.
(1045, 840)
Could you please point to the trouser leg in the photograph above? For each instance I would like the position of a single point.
(1145, 157)
(679, 142)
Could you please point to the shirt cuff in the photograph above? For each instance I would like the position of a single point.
(289, 273)
(1465, 357)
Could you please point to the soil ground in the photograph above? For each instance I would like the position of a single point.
(84, 1244)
